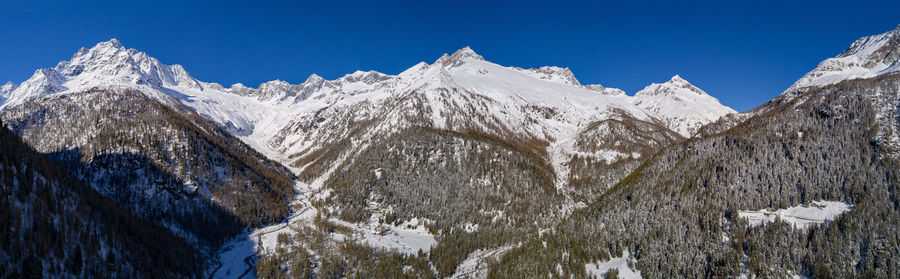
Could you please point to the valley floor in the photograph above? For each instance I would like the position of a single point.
(237, 258)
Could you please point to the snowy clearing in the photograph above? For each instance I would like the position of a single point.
(621, 264)
(800, 216)
(407, 238)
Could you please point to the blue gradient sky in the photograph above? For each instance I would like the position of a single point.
(742, 53)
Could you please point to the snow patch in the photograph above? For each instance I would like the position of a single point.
(469, 227)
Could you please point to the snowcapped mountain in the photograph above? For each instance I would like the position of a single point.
(152, 154)
(462, 91)
(261, 116)
(867, 57)
(682, 106)
(108, 63)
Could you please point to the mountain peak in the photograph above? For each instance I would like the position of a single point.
(675, 86)
(368, 77)
(458, 57)
(275, 83)
(112, 43)
(680, 105)
(867, 57)
(314, 78)
(680, 82)
(467, 52)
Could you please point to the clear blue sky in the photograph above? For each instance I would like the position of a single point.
(742, 53)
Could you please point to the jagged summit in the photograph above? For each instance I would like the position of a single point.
(107, 63)
(467, 52)
(367, 77)
(112, 43)
(867, 57)
(458, 57)
(314, 78)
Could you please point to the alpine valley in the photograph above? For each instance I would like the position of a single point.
(114, 164)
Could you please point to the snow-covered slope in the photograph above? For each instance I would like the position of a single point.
(5, 90)
(681, 106)
(565, 76)
(867, 57)
(553, 73)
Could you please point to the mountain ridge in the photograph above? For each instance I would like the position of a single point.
(111, 63)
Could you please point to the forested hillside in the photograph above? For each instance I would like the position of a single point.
(677, 214)
(52, 225)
